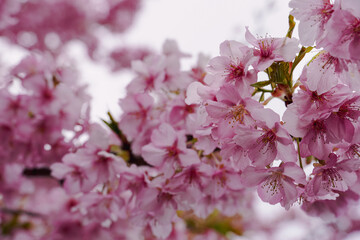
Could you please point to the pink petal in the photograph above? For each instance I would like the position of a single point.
(293, 171)
(286, 153)
(164, 136)
(290, 194)
(262, 154)
(153, 155)
(60, 170)
(251, 176)
(189, 157)
(268, 192)
(250, 38)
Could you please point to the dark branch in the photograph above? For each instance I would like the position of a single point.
(37, 172)
(19, 212)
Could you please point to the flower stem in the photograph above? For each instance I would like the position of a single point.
(298, 150)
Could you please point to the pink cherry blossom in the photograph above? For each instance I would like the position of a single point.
(342, 32)
(332, 177)
(233, 64)
(42, 25)
(150, 74)
(136, 113)
(168, 150)
(267, 142)
(231, 109)
(276, 184)
(121, 58)
(344, 120)
(313, 15)
(73, 171)
(268, 50)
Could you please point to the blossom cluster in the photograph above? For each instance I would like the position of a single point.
(48, 26)
(191, 146)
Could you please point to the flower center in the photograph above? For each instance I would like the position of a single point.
(236, 72)
(268, 137)
(273, 183)
(319, 126)
(330, 178)
(265, 46)
(238, 113)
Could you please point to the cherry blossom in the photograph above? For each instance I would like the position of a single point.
(276, 184)
(167, 150)
(313, 16)
(268, 50)
(191, 144)
(233, 64)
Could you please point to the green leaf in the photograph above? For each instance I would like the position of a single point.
(278, 73)
(113, 125)
(9, 226)
(262, 97)
(261, 84)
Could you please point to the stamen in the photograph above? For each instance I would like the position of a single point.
(273, 183)
(237, 114)
(330, 178)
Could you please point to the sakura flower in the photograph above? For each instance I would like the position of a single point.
(49, 101)
(179, 113)
(101, 207)
(269, 50)
(105, 167)
(157, 209)
(12, 182)
(168, 150)
(90, 165)
(73, 170)
(315, 141)
(268, 141)
(150, 73)
(276, 184)
(198, 92)
(332, 209)
(196, 176)
(333, 176)
(42, 25)
(352, 149)
(318, 104)
(234, 156)
(136, 109)
(121, 58)
(323, 72)
(309, 116)
(342, 32)
(343, 120)
(233, 65)
(313, 15)
(223, 181)
(200, 128)
(231, 108)
(198, 72)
